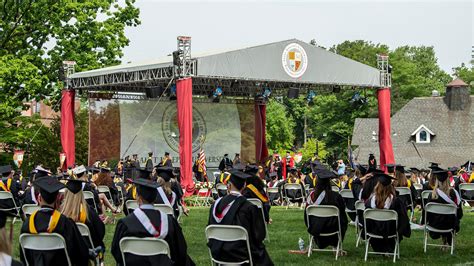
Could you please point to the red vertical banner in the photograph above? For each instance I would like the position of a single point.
(385, 139)
(184, 94)
(67, 126)
(261, 151)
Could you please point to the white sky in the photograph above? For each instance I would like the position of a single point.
(216, 25)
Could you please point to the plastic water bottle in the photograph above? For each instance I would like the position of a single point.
(301, 244)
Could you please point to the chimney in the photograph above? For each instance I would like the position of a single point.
(457, 95)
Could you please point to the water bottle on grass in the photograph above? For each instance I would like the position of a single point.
(301, 244)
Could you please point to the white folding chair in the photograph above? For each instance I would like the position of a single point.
(259, 204)
(335, 189)
(28, 209)
(293, 187)
(131, 205)
(43, 242)
(464, 187)
(147, 247)
(274, 190)
(164, 208)
(106, 191)
(404, 191)
(424, 199)
(439, 209)
(306, 190)
(85, 233)
(418, 186)
(347, 194)
(89, 196)
(324, 211)
(381, 215)
(122, 198)
(359, 207)
(228, 233)
(8, 196)
(202, 198)
(221, 188)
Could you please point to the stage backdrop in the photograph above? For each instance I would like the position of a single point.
(226, 127)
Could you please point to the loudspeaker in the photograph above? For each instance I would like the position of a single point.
(153, 92)
(293, 93)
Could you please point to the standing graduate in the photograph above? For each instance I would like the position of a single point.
(166, 161)
(255, 188)
(443, 193)
(235, 209)
(225, 164)
(149, 162)
(146, 222)
(323, 195)
(384, 197)
(49, 220)
(166, 195)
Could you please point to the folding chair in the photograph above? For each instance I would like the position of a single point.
(28, 209)
(131, 205)
(306, 190)
(347, 194)
(465, 187)
(335, 189)
(259, 204)
(324, 211)
(418, 186)
(164, 208)
(381, 215)
(85, 233)
(221, 188)
(439, 209)
(202, 198)
(296, 188)
(360, 208)
(43, 242)
(406, 192)
(424, 196)
(106, 191)
(228, 233)
(274, 190)
(89, 196)
(4, 196)
(122, 198)
(148, 246)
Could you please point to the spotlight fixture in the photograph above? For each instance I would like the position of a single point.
(173, 93)
(216, 94)
(310, 96)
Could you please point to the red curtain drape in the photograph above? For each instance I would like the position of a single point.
(67, 127)
(184, 94)
(385, 139)
(261, 151)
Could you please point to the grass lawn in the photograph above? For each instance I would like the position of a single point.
(288, 226)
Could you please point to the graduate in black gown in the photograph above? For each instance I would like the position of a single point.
(401, 180)
(5, 242)
(7, 183)
(49, 219)
(75, 207)
(256, 189)
(166, 195)
(323, 195)
(235, 209)
(145, 221)
(443, 193)
(311, 179)
(30, 196)
(384, 197)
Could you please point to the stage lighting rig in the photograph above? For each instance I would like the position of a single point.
(216, 94)
(173, 93)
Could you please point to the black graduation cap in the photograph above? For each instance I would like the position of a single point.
(390, 167)
(74, 185)
(3, 217)
(251, 169)
(146, 188)
(362, 169)
(400, 168)
(325, 174)
(414, 169)
(239, 167)
(440, 173)
(384, 179)
(238, 178)
(225, 155)
(94, 169)
(49, 187)
(145, 183)
(5, 170)
(150, 153)
(40, 172)
(165, 172)
(104, 169)
(144, 173)
(167, 153)
(433, 165)
(371, 156)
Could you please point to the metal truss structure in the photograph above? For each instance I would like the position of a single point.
(385, 71)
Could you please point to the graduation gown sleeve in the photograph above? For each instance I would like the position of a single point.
(96, 228)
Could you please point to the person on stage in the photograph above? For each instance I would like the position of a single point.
(443, 193)
(49, 220)
(166, 161)
(149, 162)
(323, 195)
(384, 197)
(225, 164)
(235, 209)
(146, 222)
(236, 159)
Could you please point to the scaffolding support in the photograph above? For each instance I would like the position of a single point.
(385, 71)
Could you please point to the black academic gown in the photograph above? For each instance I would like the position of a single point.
(96, 228)
(318, 225)
(311, 180)
(350, 203)
(29, 194)
(247, 215)
(131, 226)
(445, 221)
(260, 186)
(88, 187)
(385, 229)
(170, 200)
(14, 189)
(76, 246)
(149, 164)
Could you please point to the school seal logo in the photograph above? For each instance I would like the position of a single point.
(294, 60)
(171, 131)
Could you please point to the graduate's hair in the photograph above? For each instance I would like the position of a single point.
(358, 173)
(401, 180)
(382, 193)
(443, 186)
(431, 180)
(71, 206)
(323, 185)
(165, 185)
(104, 179)
(5, 244)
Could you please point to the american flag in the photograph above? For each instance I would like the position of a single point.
(202, 163)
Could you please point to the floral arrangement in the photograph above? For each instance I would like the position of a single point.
(199, 185)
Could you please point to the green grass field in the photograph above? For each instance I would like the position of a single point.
(288, 226)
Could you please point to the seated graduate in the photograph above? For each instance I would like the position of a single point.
(8, 184)
(223, 178)
(311, 179)
(76, 208)
(350, 203)
(49, 220)
(443, 193)
(384, 197)
(5, 242)
(273, 196)
(401, 180)
(323, 195)
(364, 186)
(31, 192)
(256, 189)
(234, 209)
(145, 221)
(293, 178)
(165, 193)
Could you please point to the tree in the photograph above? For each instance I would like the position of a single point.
(279, 127)
(466, 74)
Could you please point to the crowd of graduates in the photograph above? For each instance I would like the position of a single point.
(62, 205)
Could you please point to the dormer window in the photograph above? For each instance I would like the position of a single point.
(422, 134)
